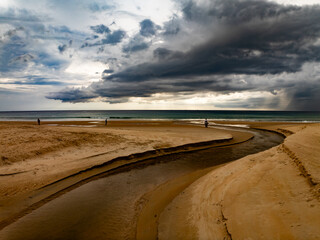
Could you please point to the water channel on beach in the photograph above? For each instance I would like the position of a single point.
(108, 208)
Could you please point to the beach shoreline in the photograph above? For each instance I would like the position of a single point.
(286, 129)
(34, 169)
(166, 115)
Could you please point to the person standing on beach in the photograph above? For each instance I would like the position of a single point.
(206, 123)
(38, 121)
(106, 122)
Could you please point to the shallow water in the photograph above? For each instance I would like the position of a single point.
(107, 208)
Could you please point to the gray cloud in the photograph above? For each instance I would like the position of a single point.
(100, 29)
(12, 32)
(15, 15)
(165, 54)
(230, 11)
(35, 80)
(13, 51)
(73, 95)
(111, 38)
(148, 28)
(248, 37)
(62, 48)
(114, 37)
(96, 7)
(123, 90)
(305, 97)
(136, 44)
(24, 58)
(172, 27)
(20, 47)
(108, 71)
(251, 103)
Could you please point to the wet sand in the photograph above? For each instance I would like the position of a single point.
(212, 211)
(112, 206)
(32, 156)
(35, 156)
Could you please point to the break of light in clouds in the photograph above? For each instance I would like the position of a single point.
(168, 54)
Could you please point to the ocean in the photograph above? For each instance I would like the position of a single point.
(286, 116)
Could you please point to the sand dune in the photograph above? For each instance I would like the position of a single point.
(269, 195)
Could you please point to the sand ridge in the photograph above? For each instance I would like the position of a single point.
(269, 195)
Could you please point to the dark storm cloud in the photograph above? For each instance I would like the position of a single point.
(230, 11)
(265, 46)
(124, 90)
(250, 103)
(246, 37)
(148, 28)
(166, 54)
(73, 95)
(305, 97)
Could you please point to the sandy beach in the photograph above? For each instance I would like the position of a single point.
(34, 156)
(165, 120)
(269, 195)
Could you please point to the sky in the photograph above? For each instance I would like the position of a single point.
(160, 54)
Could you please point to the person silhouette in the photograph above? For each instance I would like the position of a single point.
(106, 122)
(206, 123)
(38, 121)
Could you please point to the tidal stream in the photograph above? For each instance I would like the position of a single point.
(107, 208)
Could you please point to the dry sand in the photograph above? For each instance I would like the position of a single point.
(33, 156)
(269, 195)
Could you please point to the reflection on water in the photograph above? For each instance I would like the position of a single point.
(107, 208)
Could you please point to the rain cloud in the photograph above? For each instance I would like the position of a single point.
(225, 41)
